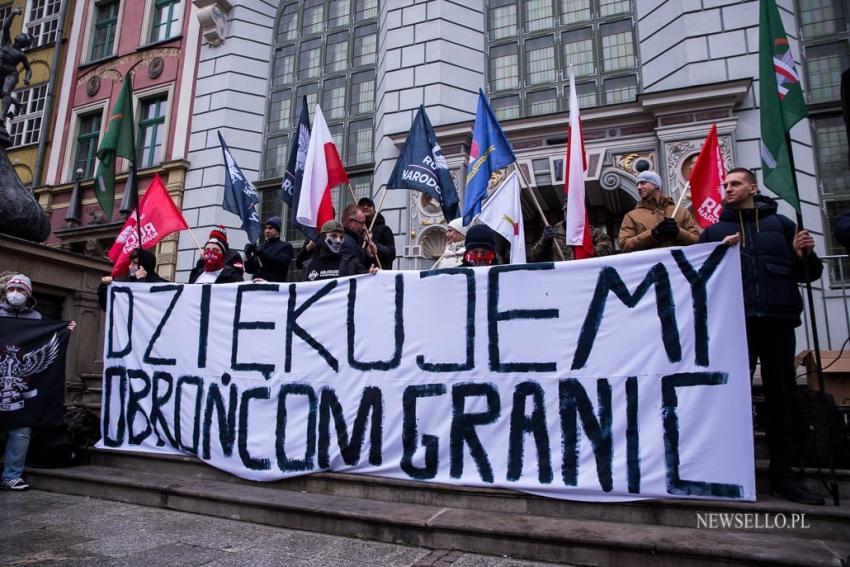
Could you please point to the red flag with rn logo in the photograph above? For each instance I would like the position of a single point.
(706, 180)
(159, 218)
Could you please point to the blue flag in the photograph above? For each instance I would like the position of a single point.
(240, 195)
(490, 151)
(422, 167)
(290, 189)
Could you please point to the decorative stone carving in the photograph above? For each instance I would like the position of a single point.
(93, 85)
(111, 72)
(212, 14)
(156, 67)
(681, 156)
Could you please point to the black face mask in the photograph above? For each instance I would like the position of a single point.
(333, 244)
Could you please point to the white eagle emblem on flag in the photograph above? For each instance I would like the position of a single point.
(14, 388)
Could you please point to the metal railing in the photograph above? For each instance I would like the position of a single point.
(832, 304)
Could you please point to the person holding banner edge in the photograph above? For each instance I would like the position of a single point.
(655, 222)
(142, 269)
(18, 303)
(773, 253)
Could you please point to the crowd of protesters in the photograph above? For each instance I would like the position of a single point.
(775, 257)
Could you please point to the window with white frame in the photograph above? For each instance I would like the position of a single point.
(5, 10)
(151, 130)
(105, 26)
(165, 22)
(25, 128)
(43, 21)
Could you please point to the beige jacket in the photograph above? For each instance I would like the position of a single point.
(636, 230)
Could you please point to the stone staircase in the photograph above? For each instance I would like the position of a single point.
(490, 521)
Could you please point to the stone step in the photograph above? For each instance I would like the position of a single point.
(495, 532)
(827, 522)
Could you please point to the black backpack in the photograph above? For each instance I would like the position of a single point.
(818, 422)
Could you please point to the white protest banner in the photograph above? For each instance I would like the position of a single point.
(613, 378)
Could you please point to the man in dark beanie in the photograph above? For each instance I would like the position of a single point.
(218, 264)
(382, 235)
(270, 261)
(480, 246)
(142, 269)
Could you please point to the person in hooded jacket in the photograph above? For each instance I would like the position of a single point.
(382, 235)
(326, 263)
(219, 264)
(775, 257)
(142, 268)
(18, 303)
(270, 261)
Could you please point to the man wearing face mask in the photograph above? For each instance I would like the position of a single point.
(218, 264)
(325, 264)
(18, 303)
(480, 247)
(142, 269)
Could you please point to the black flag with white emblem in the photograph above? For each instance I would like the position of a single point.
(32, 371)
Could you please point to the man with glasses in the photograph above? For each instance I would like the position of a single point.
(355, 256)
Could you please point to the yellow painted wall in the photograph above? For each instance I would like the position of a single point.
(23, 158)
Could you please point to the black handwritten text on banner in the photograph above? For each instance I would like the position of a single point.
(606, 379)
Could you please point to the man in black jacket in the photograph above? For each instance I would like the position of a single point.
(219, 263)
(774, 258)
(269, 262)
(382, 235)
(325, 264)
(355, 256)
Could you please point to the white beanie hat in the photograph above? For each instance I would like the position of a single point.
(457, 224)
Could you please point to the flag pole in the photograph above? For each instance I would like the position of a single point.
(195, 238)
(685, 190)
(378, 210)
(539, 208)
(812, 317)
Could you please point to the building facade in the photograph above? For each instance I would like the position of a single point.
(31, 129)
(652, 75)
(157, 41)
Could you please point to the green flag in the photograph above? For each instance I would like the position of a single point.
(782, 103)
(119, 140)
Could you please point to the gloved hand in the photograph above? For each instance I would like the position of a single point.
(250, 249)
(666, 230)
(548, 236)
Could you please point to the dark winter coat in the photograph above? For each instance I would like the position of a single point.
(324, 265)
(770, 267)
(384, 240)
(353, 257)
(271, 260)
(147, 260)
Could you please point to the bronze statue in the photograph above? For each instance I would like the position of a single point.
(12, 53)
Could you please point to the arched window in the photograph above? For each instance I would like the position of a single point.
(325, 50)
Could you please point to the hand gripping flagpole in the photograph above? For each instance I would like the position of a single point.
(527, 185)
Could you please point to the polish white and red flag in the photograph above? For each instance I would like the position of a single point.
(577, 225)
(158, 217)
(323, 170)
(706, 179)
